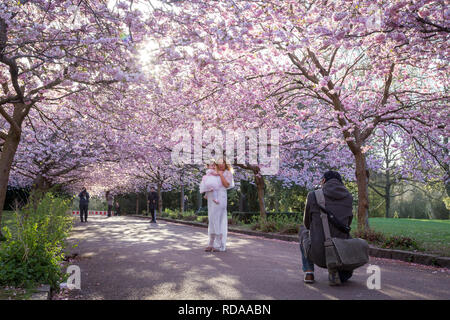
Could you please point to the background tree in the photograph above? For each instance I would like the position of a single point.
(352, 78)
(53, 51)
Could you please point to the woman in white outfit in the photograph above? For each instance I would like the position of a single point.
(217, 210)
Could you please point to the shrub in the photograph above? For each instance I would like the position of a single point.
(290, 229)
(284, 221)
(34, 253)
(233, 221)
(255, 223)
(189, 217)
(400, 242)
(255, 226)
(268, 226)
(164, 214)
(202, 212)
(388, 242)
(172, 215)
(277, 223)
(370, 235)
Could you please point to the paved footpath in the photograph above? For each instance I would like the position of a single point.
(129, 258)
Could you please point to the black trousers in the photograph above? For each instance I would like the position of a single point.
(84, 211)
(109, 209)
(152, 210)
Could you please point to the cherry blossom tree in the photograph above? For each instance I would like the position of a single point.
(53, 153)
(61, 50)
(330, 56)
(331, 76)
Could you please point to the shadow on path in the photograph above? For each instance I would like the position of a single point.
(129, 258)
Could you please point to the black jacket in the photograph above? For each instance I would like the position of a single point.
(153, 198)
(339, 201)
(84, 197)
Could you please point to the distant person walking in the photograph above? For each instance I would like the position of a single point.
(152, 201)
(84, 204)
(117, 208)
(338, 200)
(110, 201)
(186, 203)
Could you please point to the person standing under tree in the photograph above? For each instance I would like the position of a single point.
(84, 204)
(110, 201)
(152, 201)
(217, 210)
(117, 208)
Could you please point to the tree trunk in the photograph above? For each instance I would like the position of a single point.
(182, 199)
(241, 201)
(40, 187)
(146, 201)
(259, 180)
(388, 205)
(387, 194)
(447, 171)
(6, 159)
(276, 199)
(160, 203)
(137, 203)
(362, 181)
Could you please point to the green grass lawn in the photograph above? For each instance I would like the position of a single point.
(432, 235)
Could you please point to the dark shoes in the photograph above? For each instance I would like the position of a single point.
(309, 277)
(333, 278)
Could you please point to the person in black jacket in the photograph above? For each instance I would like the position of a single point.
(339, 201)
(117, 205)
(84, 204)
(110, 201)
(152, 201)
